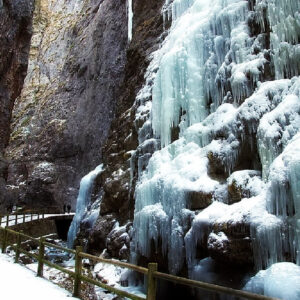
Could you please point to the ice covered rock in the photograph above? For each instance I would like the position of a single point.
(235, 250)
(100, 231)
(281, 280)
(244, 184)
(278, 127)
(118, 240)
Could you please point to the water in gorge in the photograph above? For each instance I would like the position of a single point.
(221, 112)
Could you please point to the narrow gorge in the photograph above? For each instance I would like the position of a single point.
(171, 127)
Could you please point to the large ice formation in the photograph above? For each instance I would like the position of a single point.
(217, 91)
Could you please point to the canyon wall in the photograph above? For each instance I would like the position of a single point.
(62, 117)
(15, 34)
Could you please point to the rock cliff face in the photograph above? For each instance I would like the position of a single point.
(15, 34)
(63, 115)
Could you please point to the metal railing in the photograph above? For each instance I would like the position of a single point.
(23, 216)
(151, 272)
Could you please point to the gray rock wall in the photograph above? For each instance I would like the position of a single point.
(15, 34)
(63, 115)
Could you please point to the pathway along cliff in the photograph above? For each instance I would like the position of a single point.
(192, 107)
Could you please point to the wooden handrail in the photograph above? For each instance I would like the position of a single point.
(151, 272)
(110, 288)
(27, 236)
(115, 262)
(210, 287)
(59, 268)
(59, 247)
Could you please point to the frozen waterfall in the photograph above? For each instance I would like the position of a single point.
(83, 200)
(206, 40)
(209, 92)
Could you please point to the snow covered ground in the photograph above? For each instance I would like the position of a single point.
(18, 282)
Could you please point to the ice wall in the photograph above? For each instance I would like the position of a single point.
(276, 241)
(221, 85)
(83, 200)
(183, 94)
(192, 58)
(284, 20)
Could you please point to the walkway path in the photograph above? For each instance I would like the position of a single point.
(19, 283)
(27, 218)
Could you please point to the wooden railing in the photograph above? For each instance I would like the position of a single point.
(151, 272)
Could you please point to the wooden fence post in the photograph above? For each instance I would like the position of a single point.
(4, 242)
(78, 267)
(151, 281)
(16, 220)
(31, 216)
(41, 257)
(24, 218)
(18, 247)
(7, 220)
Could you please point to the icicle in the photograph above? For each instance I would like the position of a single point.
(202, 35)
(279, 126)
(130, 19)
(284, 19)
(267, 241)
